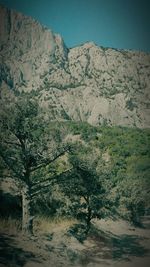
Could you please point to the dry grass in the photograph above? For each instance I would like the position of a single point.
(41, 225)
(46, 225)
(10, 226)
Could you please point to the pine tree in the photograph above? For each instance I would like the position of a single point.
(27, 145)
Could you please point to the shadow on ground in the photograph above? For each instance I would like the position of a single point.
(113, 247)
(125, 246)
(11, 255)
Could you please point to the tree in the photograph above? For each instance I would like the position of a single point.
(133, 189)
(128, 150)
(86, 191)
(28, 144)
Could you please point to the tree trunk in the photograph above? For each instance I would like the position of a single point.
(88, 221)
(27, 218)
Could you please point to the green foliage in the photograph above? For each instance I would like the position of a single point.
(86, 130)
(130, 104)
(27, 140)
(85, 189)
(110, 165)
(129, 162)
(127, 166)
(28, 145)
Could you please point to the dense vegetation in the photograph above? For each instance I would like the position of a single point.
(124, 158)
(72, 169)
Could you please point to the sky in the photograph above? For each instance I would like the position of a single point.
(123, 24)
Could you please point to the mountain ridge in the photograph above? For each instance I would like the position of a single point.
(85, 83)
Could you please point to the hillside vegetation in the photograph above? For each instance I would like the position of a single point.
(72, 169)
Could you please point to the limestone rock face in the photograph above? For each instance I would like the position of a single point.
(27, 50)
(85, 83)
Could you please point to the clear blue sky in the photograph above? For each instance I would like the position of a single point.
(110, 23)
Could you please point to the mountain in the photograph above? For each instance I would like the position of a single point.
(85, 83)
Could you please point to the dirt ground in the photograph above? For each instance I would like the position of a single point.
(111, 244)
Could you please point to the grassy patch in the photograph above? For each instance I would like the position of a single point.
(9, 225)
(46, 224)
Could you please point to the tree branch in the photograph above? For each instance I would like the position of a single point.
(47, 161)
(86, 198)
(10, 166)
(41, 185)
(12, 143)
(44, 187)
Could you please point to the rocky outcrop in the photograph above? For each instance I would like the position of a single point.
(86, 83)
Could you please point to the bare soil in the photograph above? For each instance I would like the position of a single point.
(110, 243)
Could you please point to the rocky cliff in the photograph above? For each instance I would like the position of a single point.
(85, 83)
